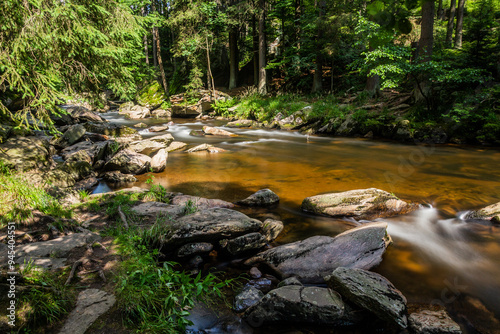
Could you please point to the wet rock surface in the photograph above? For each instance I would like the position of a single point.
(315, 257)
(433, 322)
(263, 197)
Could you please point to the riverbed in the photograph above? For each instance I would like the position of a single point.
(436, 257)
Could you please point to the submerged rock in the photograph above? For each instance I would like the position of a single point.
(300, 304)
(315, 257)
(371, 291)
(129, 162)
(263, 197)
(205, 147)
(360, 204)
(433, 322)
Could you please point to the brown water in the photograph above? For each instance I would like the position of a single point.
(436, 258)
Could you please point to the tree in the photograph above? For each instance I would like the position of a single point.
(47, 54)
(451, 23)
(262, 87)
(159, 59)
(460, 24)
(318, 73)
(233, 53)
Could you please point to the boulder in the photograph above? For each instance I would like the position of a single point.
(200, 202)
(360, 204)
(433, 322)
(24, 153)
(158, 209)
(211, 225)
(87, 151)
(129, 162)
(244, 123)
(248, 297)
(244, 243)
(299, 304)
(290, 281)
(271, 229)
(82, 114)
(165, 139)
(209, 130)
(5, 132)
(146, 146)
(315, 257)
(160, 113)
(118, 177)
(141, 125)
(70, 136)
(372, 292)
(86, 184)
(186, 111)
(195, 249)
(487, 213)
(90, 305)
(175, 146)
(109, 129)
(263, 197)
(134, 112)
(205, 147)
(159, 161)
(158, 128)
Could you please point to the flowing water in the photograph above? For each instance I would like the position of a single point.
(436, 257)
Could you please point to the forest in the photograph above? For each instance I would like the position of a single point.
(249, 166)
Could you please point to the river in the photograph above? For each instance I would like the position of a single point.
(436, 258)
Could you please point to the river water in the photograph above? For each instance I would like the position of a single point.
(436, 258)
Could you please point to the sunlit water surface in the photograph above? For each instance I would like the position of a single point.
(436, 258)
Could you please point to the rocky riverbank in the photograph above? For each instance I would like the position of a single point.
(320, 280)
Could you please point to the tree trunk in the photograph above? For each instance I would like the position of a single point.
(233, 58)
(155, 52)
(210, 76)
(440, 11)
(426, 31)
(451, 23)
(262, 87)
(145, 40)
(160, 62)
(298, 15)
(318, 73)
(460, 24)
(255, 36)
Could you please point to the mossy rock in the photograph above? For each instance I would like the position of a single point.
(152, 95)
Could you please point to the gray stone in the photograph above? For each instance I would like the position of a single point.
(146, 146)
(290, 281)
(165, 139)
(271, 229)
(175, 146)
(315, 257)
(255, 273)
(244, 243)
(372, 292)
(211, 225)
(129, 162)
(360, 204)
(82, 114)
(488, 212)
(157, 209)
(298, 304)
(134, 112)
(91, 304)
(24, 153)
(248, 297)
(186, 111)
(160, 113)
(109, 129)
(118, 177)
(70, 136)
(200, 203)
(205, 147)
(433, 322)
(159, 161)
(195, 249)
(209, 130)
(158, 128)
(263, 197)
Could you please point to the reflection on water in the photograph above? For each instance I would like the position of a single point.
(432, 249)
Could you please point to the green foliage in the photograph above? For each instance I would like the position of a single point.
(46, 300)
(190, 207)
(19, 197)
(151, 95)
(51, 48)
(156, 296)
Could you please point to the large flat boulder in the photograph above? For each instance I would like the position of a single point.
(299, 304)
(24, 153)
(146, 146)
(91, 304)
(210, 130)
(129, 162)
(201, 203)
(165, 139)
(372, 292)
(360, 204)
(491, 212)
(315, 257)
